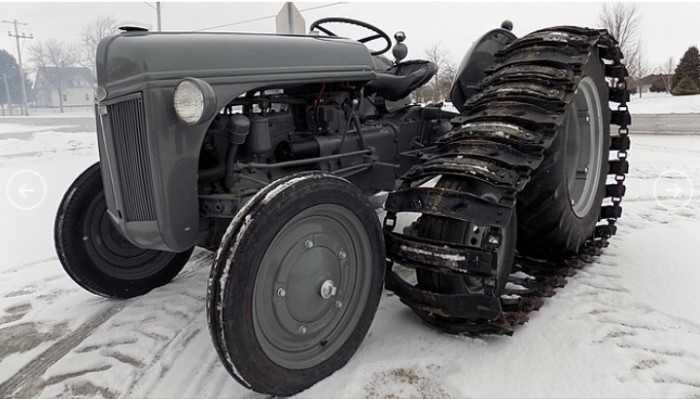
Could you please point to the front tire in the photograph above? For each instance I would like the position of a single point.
(96, 255)
(296, 283)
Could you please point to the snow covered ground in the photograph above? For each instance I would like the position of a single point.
(664, 103)
(626, 326)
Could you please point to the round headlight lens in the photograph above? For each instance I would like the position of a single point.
(100, 93)
(189, 102)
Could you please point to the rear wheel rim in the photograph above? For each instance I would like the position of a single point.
(312, 286)
(584, 147)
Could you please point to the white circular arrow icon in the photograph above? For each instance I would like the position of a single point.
(673, 189)
(26, 189)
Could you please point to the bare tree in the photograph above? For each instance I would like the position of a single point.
(639, 67)
(90, 37)
(441, 82)
(666, 71)
(49, 57)
(447, 78)
(622, 21)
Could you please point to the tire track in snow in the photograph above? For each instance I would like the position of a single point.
(27, 265)
(135, 348)
(206, 377)
(23, 383)
(166, 355)
(659, 346)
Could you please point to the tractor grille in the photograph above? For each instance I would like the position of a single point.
(131, 145)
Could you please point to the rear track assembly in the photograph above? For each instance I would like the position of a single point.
(496, 144)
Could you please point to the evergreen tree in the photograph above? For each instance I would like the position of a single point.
(689, 67)
(9, 66)
(686, 87)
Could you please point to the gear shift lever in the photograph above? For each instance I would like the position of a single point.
(400, 50)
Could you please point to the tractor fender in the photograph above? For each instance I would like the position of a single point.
(473, 66)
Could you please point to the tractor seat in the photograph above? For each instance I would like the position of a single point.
(398, 81)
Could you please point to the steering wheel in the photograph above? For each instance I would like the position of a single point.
(378, 33)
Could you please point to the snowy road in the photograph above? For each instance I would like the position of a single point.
(626, 326)
(667, 123)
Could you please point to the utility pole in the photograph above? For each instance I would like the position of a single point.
(157, 8)
(158, 13)
(18, 36)
(7, 95)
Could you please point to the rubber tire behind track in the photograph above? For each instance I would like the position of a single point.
(548, 228)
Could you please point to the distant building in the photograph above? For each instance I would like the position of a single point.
(64, 86)
(653, 82)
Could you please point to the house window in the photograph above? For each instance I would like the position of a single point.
(65, 98)
(87, 97)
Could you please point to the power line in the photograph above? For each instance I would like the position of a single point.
(54, 11)
(267, 17)
(237, 23)
(30, 15)
(17, 37)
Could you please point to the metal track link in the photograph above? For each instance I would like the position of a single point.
(497, 143)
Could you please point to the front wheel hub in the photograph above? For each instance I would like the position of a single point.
(328, 289)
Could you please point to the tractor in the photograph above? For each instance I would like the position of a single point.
(271, 150)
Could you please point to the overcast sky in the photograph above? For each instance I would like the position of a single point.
(667, 29)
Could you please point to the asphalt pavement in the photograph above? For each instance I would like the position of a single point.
(677, 124)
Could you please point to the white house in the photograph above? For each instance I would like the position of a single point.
(64, 87)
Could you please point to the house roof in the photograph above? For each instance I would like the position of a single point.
(48, 77)
(654, 77)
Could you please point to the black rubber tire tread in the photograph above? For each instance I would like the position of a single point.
(75, 258)
(547, 225)
(229, 306)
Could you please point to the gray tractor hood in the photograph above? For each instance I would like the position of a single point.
(133, 58)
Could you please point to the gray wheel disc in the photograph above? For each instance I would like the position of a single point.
(312, 286)
(584, 147)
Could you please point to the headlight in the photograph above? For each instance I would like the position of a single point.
(100, 93)
(194, 101)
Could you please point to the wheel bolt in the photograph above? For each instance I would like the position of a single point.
(281, 292)
(308, 243)
(302, 330)
(342, 255)
(338, 304)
